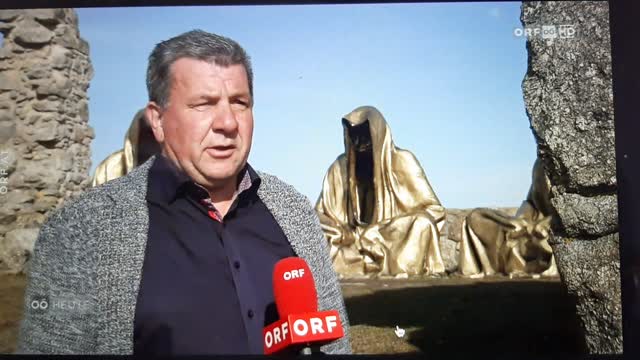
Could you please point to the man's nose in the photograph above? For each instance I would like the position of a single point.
(224, 119)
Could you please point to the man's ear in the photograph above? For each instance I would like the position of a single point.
(153, 113)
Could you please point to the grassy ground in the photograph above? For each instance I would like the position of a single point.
(440, 316)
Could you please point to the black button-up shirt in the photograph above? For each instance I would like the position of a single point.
(206, 284)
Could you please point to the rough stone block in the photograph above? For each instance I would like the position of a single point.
(37, 71)
(30, 220)
(10, 15)
(16, 248)
(5, 52)
(568, 94)
(9, 80)
(60, 57)
(46, 132)
(591, 271)
(569, 99)
(32, 34)
(56, 84)
(6, 27)
(39, 175)
(450, 253)
(7, 130)
(45, 203)
(584, 216)
(46, 105)
(67, 37)
(47, 16)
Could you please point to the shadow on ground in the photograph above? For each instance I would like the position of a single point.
(498, 318)
(444, 317)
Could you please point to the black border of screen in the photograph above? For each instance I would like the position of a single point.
(624, 15)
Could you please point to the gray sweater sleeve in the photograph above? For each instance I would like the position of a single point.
(61, 278)
(329, 292)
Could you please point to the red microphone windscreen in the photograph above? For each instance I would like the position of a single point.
(293, 287)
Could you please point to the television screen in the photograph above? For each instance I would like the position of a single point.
(459, 159)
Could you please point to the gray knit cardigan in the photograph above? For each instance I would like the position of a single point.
(88, 258)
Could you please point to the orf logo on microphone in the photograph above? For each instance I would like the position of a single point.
(309, 328)
(315, 325)
(293, 274)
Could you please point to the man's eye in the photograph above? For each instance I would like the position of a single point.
(200, 105)
(241, 104)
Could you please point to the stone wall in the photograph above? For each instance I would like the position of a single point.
(44, 131)
(569, 101)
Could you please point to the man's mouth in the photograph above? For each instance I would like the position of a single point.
(221, 151)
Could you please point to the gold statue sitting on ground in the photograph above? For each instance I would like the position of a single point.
(139, 146)
(493, 242)
(377, 208)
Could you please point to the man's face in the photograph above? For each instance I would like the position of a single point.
(207, 126)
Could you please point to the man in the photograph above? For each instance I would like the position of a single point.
(377, 208)
(139, 146)
(177, 256)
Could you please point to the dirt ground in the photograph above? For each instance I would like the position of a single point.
(458, 316)
(11, 297)
(450, 316)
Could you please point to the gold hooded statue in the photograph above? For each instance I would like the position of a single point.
(139, 145)
(377, 209)
(495, 243)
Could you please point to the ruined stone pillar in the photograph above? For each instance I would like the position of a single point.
(44, 123)
(569, 100)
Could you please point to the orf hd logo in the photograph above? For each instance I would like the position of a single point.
(39, 303)
(547, 32)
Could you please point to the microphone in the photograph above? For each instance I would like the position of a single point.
(300, 324)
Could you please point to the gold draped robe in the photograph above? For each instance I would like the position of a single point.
(493, 242)
(139, 145)
(388, 224)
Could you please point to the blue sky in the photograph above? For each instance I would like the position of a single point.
(446, 76)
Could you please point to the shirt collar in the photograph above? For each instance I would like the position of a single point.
(167, 182)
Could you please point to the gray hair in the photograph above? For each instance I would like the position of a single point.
(195, 44)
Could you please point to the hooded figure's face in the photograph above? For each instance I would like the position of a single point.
(359, 135)
(361, 164)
